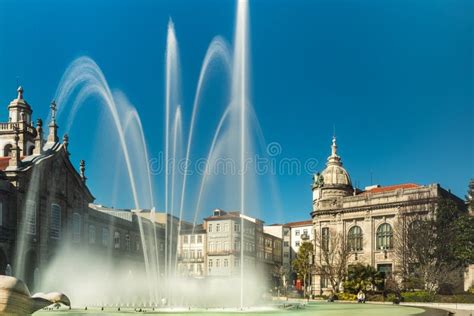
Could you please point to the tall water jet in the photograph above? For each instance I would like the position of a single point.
(84, 79)
(240, 99)
(171, 102)
(218, 50)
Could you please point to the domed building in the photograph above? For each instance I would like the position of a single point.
(334, 181)
(364, 220)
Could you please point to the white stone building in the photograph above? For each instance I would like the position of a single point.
(192, 248)
(365, 219)
(300, 232)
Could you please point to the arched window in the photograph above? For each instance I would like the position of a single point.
(55, 222)
(384, 237)
(76, 227)
(354, 238)
(7, 150)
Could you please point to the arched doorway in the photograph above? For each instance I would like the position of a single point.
(31, 263)
(3, 262)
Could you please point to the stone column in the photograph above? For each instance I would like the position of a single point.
(15, 159)
(39, 138)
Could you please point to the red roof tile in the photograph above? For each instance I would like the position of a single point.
(4, 162)
(300, 223)
(392, 188)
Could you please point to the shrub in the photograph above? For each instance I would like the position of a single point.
(374, 297)
(420, 296)
(471, 290)
(458, 298)
(347, 296)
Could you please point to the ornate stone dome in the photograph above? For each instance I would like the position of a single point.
(334, 181)
(335, 174)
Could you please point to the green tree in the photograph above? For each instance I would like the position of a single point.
(302, 264)
(464, 240)
(363, 277)
(434, 246)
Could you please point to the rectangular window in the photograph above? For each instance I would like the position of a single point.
(91, 234)
(76, 227)
(218, 228)
(185, 239)
(127, 242)
(218, 263)
(324, 282)
(55, 224)
(210, 228)
(297, 243)
(137, 245)
(199, 253)
(30, 220)
(325, 238)
(210, 263)
(297, 232)
(237, 244)
(386, 269)
(105, 237)
(236, 227)
(199, 239)
(193, 239)
(117, 240)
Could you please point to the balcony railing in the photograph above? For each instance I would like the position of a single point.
(20, 125)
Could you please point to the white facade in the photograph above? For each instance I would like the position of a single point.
(299, 232)
(192, 247)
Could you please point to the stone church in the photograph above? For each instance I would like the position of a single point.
(45, 202)
(366, 219)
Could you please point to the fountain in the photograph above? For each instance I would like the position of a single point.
(159, 287)
(84, 80)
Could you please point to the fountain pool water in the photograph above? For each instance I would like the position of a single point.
(313, 308)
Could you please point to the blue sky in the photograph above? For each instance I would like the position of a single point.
(394, 77)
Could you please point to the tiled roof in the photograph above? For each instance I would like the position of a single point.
(4, 162)
(392, 188)
(300, 223)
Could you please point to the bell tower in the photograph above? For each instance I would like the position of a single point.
(18, 126)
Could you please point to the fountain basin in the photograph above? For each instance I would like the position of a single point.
(313, 308)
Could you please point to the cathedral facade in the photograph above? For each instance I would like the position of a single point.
(364, 220)
(46, 206)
